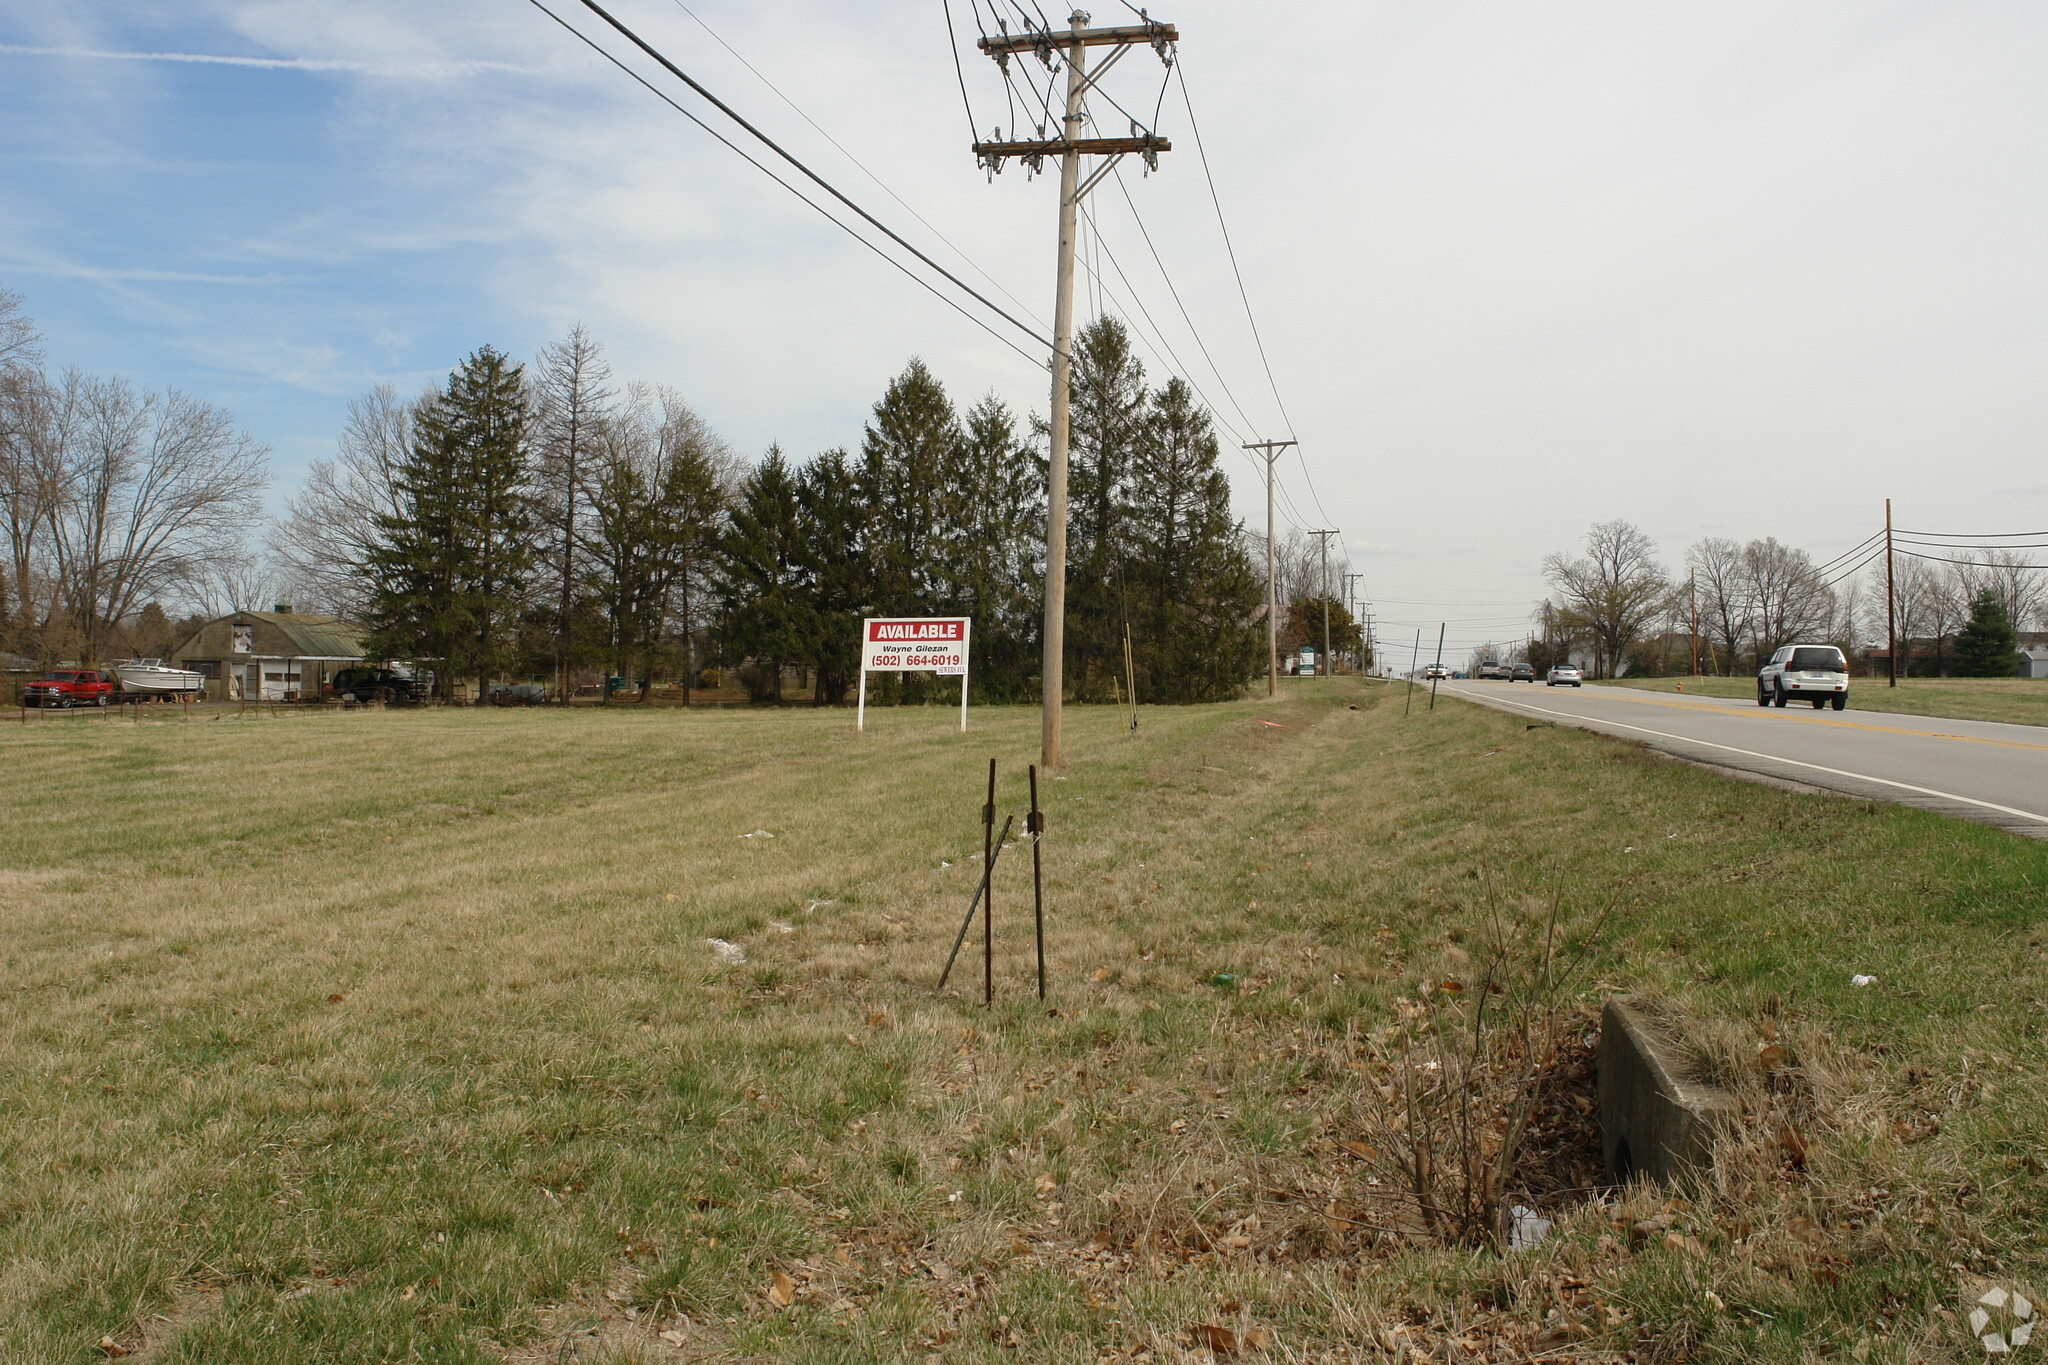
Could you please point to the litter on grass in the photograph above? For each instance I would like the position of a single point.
(1863, 981)
(758, 834)
(817, 905)
(781, 926)
(1526, 1228)
(727, 952)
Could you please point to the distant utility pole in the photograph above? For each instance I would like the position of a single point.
(1351, 609)
(1891, 607)
(1271, 450)
(1324, 537)
(1692, 588)
(1070, 147)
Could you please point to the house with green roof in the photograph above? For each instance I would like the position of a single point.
(275, 655)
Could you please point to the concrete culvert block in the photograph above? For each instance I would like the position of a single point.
(1654, 1120)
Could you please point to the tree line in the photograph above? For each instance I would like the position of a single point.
(1618, 606)
(541, 522)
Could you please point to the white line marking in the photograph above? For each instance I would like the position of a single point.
(1768, 758)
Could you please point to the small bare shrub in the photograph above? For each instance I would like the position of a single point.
(1454, 1086)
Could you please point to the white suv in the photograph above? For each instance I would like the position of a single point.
(1816, 673)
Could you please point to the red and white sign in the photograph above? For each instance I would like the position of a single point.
(914, 644)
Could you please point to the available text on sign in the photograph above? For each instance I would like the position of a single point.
(914, 644)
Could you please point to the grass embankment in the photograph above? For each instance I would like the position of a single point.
(396, 1036)
(2019, 701)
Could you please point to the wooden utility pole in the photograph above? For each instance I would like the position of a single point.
(1070, 147)
(1351, 608)
(1891, 606)
(1692, 588)
(1271, 450)
(1324, 537)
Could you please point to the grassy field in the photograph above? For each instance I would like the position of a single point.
(397, 1036)
(2020, 701)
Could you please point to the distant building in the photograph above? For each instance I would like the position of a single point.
(2034, 661)
(269, 655)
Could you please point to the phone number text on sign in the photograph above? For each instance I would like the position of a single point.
(944, 663)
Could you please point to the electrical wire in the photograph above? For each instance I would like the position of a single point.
(1989, 535)
(777, 148)
(1968, 563)
(959, 71)
(1867, 560)
(972, 137)
(1181, 304)
(1857, 548)
(922, 283)
(1244, 295)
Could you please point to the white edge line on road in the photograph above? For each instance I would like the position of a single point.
(1768, 758)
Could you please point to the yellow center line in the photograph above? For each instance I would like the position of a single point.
(1705, 706)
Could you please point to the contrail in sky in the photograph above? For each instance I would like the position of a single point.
(270, 63)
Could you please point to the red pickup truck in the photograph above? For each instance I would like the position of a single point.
(71, 687)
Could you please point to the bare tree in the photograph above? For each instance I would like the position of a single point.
(573, 402)
(1617, 589)
(1725, 608)
(2019, 584)
(1790, 598)
(156, 487)
(27, 483)
(322, 546)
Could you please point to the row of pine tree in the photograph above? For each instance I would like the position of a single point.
(537, 525)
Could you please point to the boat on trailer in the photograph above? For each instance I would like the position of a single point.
(155, 678)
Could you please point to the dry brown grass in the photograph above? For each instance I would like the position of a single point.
(415, 1011)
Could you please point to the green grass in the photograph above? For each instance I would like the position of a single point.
(396, 1036)
(2018, 701)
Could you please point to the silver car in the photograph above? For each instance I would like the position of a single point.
(1564, 675)
(1815, 673)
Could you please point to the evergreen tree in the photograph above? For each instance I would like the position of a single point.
(1107, 426)
(1192, 587)
(453, 560)
(768, 608)
(1987, 647)
(994, 549)
(908, 448)
(836, 525)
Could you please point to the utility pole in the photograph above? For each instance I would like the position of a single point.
(1324, 537)
(1891, 607)
(1070, 146)
(1692, 588)
(1271, 450)
(1351, 607)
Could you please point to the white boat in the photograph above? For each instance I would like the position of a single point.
(153, 677)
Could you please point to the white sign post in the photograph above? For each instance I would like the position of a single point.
(913, 644)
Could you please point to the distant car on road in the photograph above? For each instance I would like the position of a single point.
(1564, 675)
(1435, 671)
(1816, 673)
(1522, 673)
(1491, 671)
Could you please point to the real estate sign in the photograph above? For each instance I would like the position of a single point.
(913, 644)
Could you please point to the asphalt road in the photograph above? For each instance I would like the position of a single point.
(1975, 770)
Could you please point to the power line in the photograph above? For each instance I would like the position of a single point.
(1244, 295)
(909, 274)
(1193, 331)
(777, 148)
(1988, 535)
(862, 166)
(1968, 563)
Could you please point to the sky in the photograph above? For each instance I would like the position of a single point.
(1743, 269)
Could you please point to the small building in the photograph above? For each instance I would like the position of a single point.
(2034, 661)
(269, 655)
